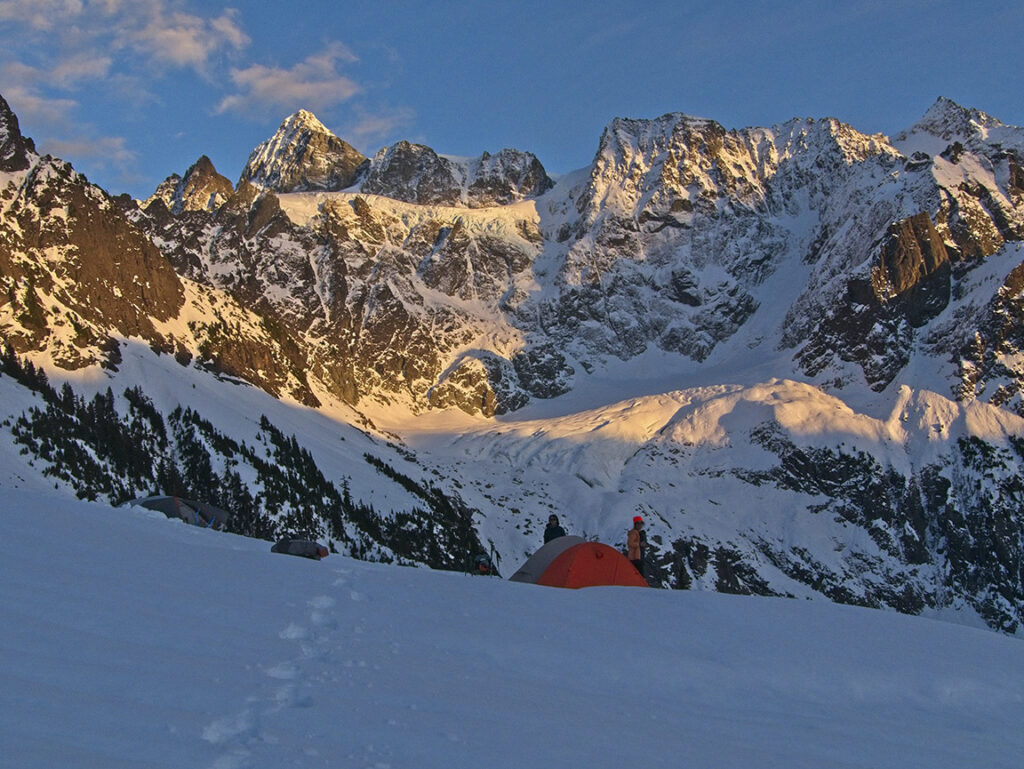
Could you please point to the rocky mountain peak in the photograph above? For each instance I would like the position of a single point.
(691, 254)
(14, 148)
(303, 155)
(949, 121)
(415, 173)
(626, 138)
(506, 177)
(304, 119)
(201, 189)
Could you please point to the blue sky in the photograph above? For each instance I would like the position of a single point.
(131, 91)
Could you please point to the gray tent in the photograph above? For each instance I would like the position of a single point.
(188, 510)
(303, 548)
(539, 561)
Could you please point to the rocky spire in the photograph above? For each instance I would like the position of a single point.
(201, 189)
(14, 148)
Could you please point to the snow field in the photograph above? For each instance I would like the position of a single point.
(127, 640)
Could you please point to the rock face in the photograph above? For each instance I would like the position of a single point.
(676, 238)
(678, 228)
(416, 174)
(201, 189)
(955, 168)
(78, 278)
(75, 271)
(303, 155)
(843, 264)
(14, 148)
(507, 177)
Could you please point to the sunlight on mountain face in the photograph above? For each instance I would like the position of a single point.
(792, 350)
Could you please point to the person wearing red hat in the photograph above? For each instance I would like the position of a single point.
(636, 543)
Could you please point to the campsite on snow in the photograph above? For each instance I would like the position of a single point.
(133, 640)
(705, 451)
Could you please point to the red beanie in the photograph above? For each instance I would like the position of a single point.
(637, 519)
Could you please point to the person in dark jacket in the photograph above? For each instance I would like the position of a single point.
(636, 543)
(554, 530)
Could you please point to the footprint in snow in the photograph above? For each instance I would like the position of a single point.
(294, 633)
(237, 760)
(284, 671)
(230, 728)
(291, 697)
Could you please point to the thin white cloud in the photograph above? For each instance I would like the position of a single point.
(313, 83)
(79, 67)
(158, 32)
(42, 15)
(58, 56)
(229, 29)
(17, 74)
(100, 151)
(34, 108)
(370, 128)
(180, 39)
(56, 51)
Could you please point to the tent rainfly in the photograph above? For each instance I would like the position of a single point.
(303, 548)
(573, 562)
(188, 510)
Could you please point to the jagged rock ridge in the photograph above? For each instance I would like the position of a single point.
(848, 262)
(303, 155)
(416, 174)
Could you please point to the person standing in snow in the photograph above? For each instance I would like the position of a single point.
(636, 543)
(553, 530)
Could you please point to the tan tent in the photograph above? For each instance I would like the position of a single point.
(188, 510)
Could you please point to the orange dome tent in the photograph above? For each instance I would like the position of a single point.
(573, 562)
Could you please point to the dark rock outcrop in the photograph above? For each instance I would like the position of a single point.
(414, 173)
(14, 148)
(914, 265)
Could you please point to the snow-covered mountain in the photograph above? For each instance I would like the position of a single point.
(130, 640)
(303, 155)
(795, 350)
